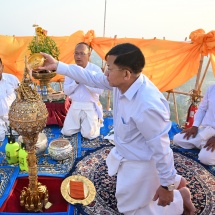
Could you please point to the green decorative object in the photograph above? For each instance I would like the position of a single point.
(43, 43)
(23, 154)
(12, 150)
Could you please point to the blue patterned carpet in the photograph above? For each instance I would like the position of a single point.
(46, 165)
(7, 178)
(92, 165)
(91, 155)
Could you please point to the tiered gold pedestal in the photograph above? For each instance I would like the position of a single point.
(44, 78)
(28, 116)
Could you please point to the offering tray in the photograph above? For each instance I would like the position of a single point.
(89, 189)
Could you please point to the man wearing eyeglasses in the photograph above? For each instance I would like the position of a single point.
(85, 113)
(147, 183)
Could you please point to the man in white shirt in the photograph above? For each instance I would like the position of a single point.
(8, 84)
(85, 113)
(142, 157)
(202, 134)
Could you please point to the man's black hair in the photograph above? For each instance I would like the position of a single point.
(128, 56)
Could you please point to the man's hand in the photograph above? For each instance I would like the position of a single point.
(164, 196)
(190, 132)
(50, 63)
(210, 145)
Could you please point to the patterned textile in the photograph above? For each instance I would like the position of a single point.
(46, 165)
(92, 166)
(8, 176)
(193, 154)
(87, 144)
(200, 182)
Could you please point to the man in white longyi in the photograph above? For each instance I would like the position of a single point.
(202, 134)
(142, 157)
(85, 113)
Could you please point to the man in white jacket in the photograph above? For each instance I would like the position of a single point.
(85, 113)
(8, 84)
(142, 157)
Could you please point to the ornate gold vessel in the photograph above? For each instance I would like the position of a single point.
(45, 78)
(28, 116)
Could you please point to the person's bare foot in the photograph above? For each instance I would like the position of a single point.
(189, 208)
(183, 183)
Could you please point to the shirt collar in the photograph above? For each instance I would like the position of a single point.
(3, 77)
(134, 87)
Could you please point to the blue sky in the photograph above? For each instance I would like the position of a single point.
(172, 19)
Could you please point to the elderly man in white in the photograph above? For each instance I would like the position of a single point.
(8, 84)
(85, 113)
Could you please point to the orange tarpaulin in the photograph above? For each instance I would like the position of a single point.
(169, 64)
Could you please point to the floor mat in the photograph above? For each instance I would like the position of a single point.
(46, 165)
(8, 176)
(92, 166)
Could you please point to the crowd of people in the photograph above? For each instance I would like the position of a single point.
(147, 181)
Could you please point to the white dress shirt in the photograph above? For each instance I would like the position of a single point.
(205, 114)
(141, 120)
(80, 92)
(7, 94)
(11, 79)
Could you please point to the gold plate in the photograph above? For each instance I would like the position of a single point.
(89, 188)
(35, 60)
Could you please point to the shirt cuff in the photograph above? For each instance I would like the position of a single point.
(61, 68)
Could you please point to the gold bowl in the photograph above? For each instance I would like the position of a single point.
(36, 60)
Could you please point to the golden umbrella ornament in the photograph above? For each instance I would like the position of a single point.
(28, 116)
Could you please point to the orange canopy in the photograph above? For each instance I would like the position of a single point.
(169, 64)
